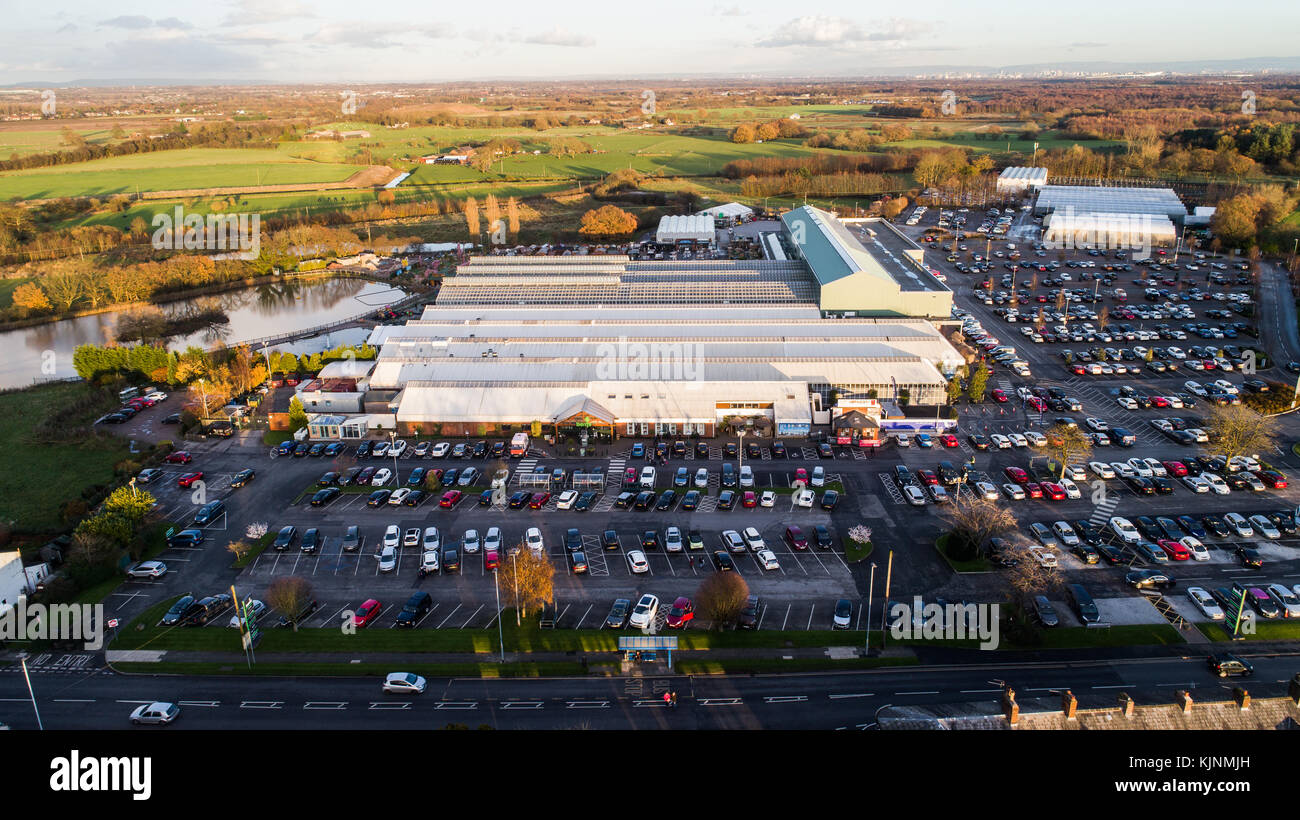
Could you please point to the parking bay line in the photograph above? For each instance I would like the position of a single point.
(261, 704)
(785, 699)
(858, 695)
(448, 618)
(471, 617)
(389, 704)
(463, 705)
(325, 704)
(523, 704)
(572, 704)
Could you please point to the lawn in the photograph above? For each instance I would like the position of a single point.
(51, 473)
(1264, 631)
(171, 170)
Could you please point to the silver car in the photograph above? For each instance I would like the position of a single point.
(158, 713)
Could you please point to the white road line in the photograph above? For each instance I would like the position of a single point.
(457, 704)
(573, 704)
(861, 695)
(261, 704)
(210, 704)
(471, 617)
(933, 692)
(978, 691)
(785, 699)
(325, 704)
(720, 702)
(82, 700)
(448, 618)
(652, 703)
(1112, 686)
(524, 704)
(390, 705)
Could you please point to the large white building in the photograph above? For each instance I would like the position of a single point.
(1018, 179)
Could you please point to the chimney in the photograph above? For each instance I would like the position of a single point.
(1184, 701)
(1126, 705)
(1069, 704)
(1293, 689)
(1242, 697)
(1010, 708)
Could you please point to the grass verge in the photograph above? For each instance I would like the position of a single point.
(975, 565)
(1264, 631)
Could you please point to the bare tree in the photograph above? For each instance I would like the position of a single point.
(1240, 431)
(240, 548)
(972, 524)
(1028, 577)
(720, 598)
(527, 580)
(1068, 444)
(288, 595)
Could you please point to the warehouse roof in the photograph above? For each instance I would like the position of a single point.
(1026, 174)
(1085, 199)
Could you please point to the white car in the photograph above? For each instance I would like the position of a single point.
(1217, 484)
(987, 491)
(148, 569)
(399, 495)
(492, 541)
(673, 539)
(753, 539)
(392, 536)
(381, 477)
(1244, 463)
(1036, 439)
(903, 440)
(1124, 469)
(1204, 601)
(1014, 491)
(1140, 467)
(258, 609)
(1125, 530)
(643, 614)
(440, 449)
(1096, 424)
(1195, 389)
(1174, 402)
(411, 538)
(818, 477)
(767, 560)
(471, 542)
(160, 713)
(405, 683)
(1228, 387)
(1066, 533)
(1265, 527)
(1195, 547)
(914, 495)
(1286, 599)
(1157, 469)
(533, 540)
(747, 475)
(804, 498)
(566, 499)
(1072, 490)
(702, 478)
(429, 561)
(1238, 524)
(397, 449)
(432, 539)
(637, 561)
(1127, 403)
(1019, 440)
(1199, 434)
(1044, 557)
(1101, 469)
(388, 559)
(767, 499)
(1002, 442)
(1076, 472)
(1196, 483)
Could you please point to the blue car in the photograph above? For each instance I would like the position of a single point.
(1192, 526)
(924, 440)
(638, 450)
(286, 447)
(334, 448)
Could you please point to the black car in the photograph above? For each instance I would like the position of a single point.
(1149, 579)
(480, 449)
(328, 480)
(209, 512)
(415, 498)
(978, 441)
(450, 558)
(691, 500)
(208, 608)
(1088, 531)
(572, 539)
(749, 615)
(416, 479)
(174, 418)
(622, 502)
(302, 614)
(701, 450)
(316, 449)
(186, 538)
(242, 477)
(618, 614)
(753, 450)
(723, 562)
(726, 499)
(1215, 525)
(651, 540)
(1139, 485)
(829, 499)
(485, 498)
(1163, 485)
(322, 497)
(363, 449)
(284, 539)
(778, 449)
(679, 449)
(666, 500)
(1249, 557)
(1229, 666)
(825, 450)
(311, 540)
(584, 502)
(519, 499)
(822, 537)
(1148, 527)
(609, 540)
(179, 611)
(498, 449)
(416, 607)
(449, 477)
(1113, 555)
(378, 498)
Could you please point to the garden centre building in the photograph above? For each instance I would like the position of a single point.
(608, 346)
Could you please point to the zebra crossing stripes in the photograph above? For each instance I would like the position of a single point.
(526, 465)
(1102, 513)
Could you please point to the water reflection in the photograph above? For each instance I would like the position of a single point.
(275, 307)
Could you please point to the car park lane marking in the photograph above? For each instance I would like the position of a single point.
(261, 704)
(389, 704)
(787, 616)
(858, 695)
(810, 616)
(523, 704)
(325, 704)
(785, 699)
(572, 704)
(933, 692)
(464, 705)
(650, 703)
(448, 618)
(580, 620)
(721, 702)
(471, 617)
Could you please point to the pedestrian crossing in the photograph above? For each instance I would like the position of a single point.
(526, 465)
(1102, 513)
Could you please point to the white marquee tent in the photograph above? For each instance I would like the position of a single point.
(697, 227)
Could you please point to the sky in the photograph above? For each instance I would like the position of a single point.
(295, 41)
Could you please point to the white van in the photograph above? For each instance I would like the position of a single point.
(647, 478)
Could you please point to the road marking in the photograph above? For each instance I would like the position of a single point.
(652, 703)
(457, 704)
(325, 704)
(1112, 686)
(80, 700)
(261, 704)
(524, 704)
(978, 691)
(932, 692)
(586, 704)
(210, 704)
(861, 695)
(388, 704)
(720, 702)
(785, 699)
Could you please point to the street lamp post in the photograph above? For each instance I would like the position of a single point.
(871, 591)
(392, 444)
(884, 621)
(501, 634)
(514, 566)
(740, 452)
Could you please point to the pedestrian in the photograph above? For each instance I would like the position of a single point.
(667, 699)
(674, 700)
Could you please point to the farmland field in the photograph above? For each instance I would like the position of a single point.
(170, 170)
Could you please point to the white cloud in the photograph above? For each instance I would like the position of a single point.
(560, 37)
(253, 12)
(816, 31)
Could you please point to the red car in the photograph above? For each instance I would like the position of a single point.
(1054, 491)
(1078, 369)
(927, 477)
(450, 498)
(538, 501)
(1000, 395)
(189, 478)
(491, 560)
(801, 475)
(682, 613)
(949, 440)
(1176, 468)
(1272, 479)
(1037, 403)
(1017, 475)
(748, 499)
(1159, 401)
(1033, 490)
(178, 457)
(367, 612)
(1175, 550)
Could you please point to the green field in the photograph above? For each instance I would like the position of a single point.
(171, 170)
(31, 496)
(21, 143)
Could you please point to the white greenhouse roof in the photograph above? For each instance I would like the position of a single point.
(698, 227)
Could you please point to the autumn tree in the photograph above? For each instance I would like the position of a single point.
(979, 383)
(1068, 445)
(512, 216)
(288, 595)
(30, 299)
(608, 220)
(526, 580)
(767, 131)
(492, 210)
(720, 598)
(972, 524)
(297, 415)
(240, 548)
(743, 133)
(1236, 430)
(471, 216)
